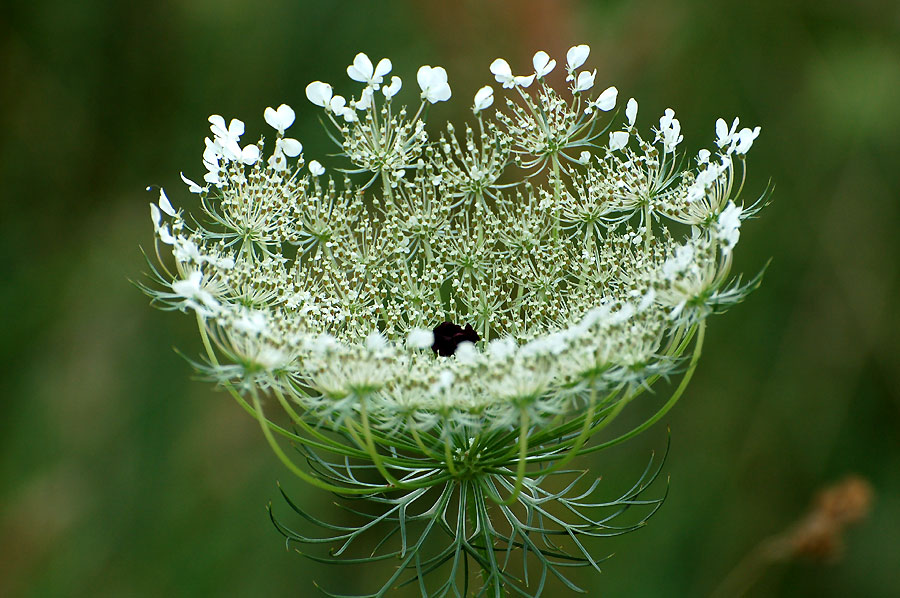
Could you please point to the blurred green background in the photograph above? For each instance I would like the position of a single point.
(121, 475)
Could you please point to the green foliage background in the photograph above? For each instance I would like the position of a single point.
(120, 475)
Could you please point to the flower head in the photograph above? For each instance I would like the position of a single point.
(462, 311)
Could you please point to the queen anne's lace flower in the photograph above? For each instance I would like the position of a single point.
(462, 309)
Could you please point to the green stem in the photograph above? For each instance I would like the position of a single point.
(698, 347)
(448, 456)
(524, 424)
(370, 445)
(480, 522)
(286, 460)
(418, 439)
(586, 433)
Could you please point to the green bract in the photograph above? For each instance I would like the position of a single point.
(583, 257)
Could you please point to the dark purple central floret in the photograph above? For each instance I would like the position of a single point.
(448, 336)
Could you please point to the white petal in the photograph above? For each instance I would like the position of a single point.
(391, 90)
(433, 82)
(192, 186)
(235, 128)
(631, 111)
(164, 204)
(279, 119)
(291, 147)
(155, 216)
(523, 81)
(319, 93)
(607, 99)
(217, 125)
(618, 140)
(585, 80)
(365, 100)
(212, 151)
(165, 236)
(361, 70)
(271, 117)
(721, 132)
(438, 76)
(249, 155)
(502, 73)
(384, 67)
(286, 115)
(337, 103)
(316, 169)
(549, 68)
(542, 63)
(423, 77)
(745, 140)
(666, 119)
(230, 148)
(484, 97)
(577, 55)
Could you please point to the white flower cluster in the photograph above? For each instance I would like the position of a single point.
(576, 251)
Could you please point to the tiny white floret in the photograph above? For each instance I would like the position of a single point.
(391, 90)
(575, 57)
(319, 93)
(542, 64)
(744, 140)
(585, 80)
(279, 119)
(164, 204)
(484, 97)
(618, 140)
(631, 109)
(192, 186)
(607, 100)
(724, 134)
(362, 70)
(433, 82)
(503, 74)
